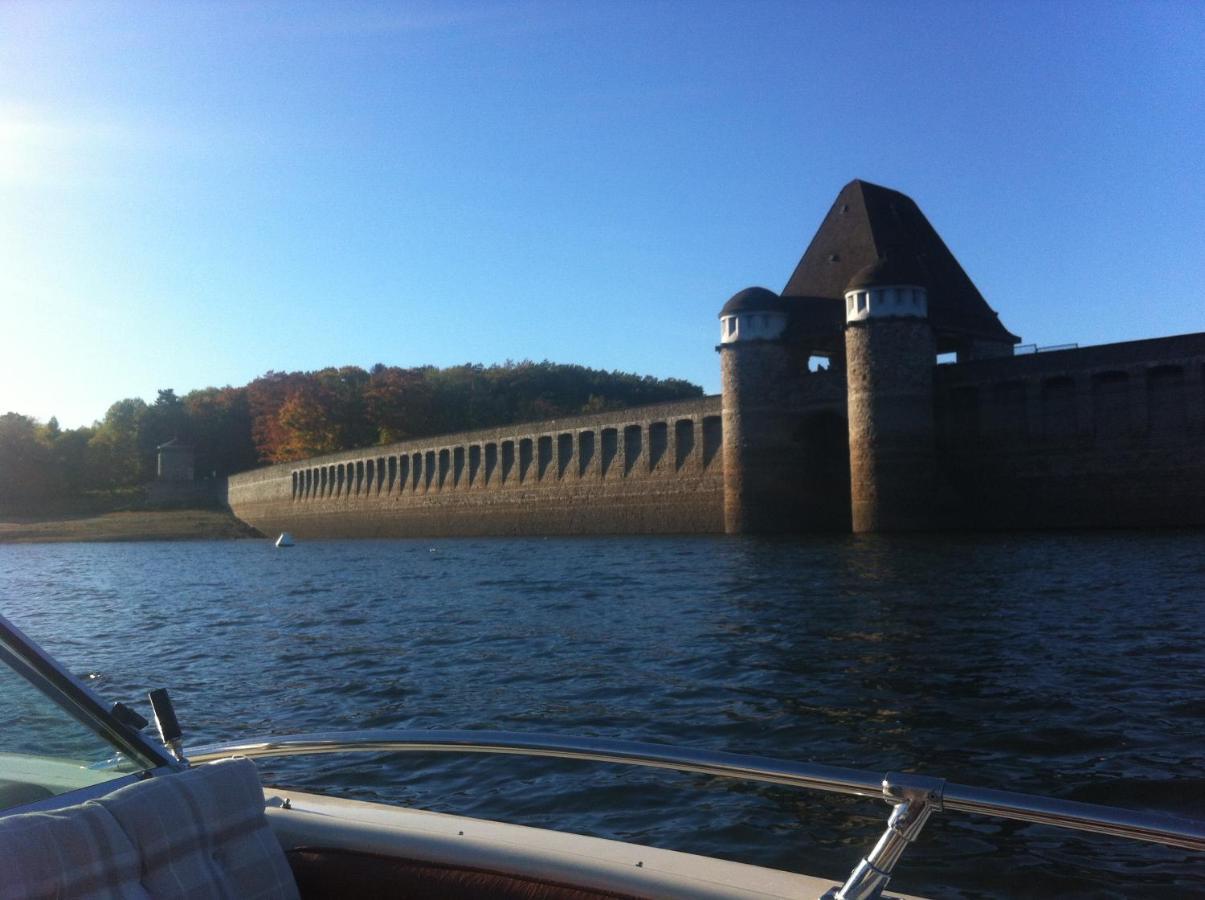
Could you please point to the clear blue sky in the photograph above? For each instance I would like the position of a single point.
(194, 193)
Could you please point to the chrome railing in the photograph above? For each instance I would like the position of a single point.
(914, 798)
(45, 673)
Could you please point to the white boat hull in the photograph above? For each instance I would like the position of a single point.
(312, 820)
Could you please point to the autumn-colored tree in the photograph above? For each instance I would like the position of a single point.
(283, 416)
(309, 425)
(265, 396)
(398, 403)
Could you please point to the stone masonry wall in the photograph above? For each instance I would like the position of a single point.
(1112, 435)
(653, 469)
(890, 408)
(786, 453)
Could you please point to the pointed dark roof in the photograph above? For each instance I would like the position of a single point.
(888, 270)
(868, 223)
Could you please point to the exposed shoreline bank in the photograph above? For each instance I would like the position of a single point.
(126, 525)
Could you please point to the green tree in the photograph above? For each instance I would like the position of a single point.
(116, 448)
(164, 420)
(50, 432)
(27, 473)
(69, 451)
(219, 428)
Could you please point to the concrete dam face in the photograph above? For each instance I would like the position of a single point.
(835, 415)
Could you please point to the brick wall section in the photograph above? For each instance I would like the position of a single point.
(653, 469)
(1112, 435)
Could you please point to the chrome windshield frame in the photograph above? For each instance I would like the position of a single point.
(30, 662)
(1157, 828)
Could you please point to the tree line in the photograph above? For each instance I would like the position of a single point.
(283, 416)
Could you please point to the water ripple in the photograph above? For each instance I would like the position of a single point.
(1062, 664)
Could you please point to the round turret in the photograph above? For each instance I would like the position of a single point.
(888, 287)
(890, 354)
(754, 314)
(757, 371)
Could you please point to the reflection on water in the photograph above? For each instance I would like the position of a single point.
(1059, 664)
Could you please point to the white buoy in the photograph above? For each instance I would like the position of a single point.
(285, 540)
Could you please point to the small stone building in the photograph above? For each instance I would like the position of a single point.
(176, 461)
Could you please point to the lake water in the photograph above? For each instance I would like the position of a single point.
(1064, 664)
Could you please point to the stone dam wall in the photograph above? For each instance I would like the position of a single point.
(653, 470)
(1105, 436)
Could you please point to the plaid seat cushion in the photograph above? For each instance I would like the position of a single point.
(203, 834)
(195, 835)
(75, 852)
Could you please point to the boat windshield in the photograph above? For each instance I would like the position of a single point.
(45, 752)
(55, 738)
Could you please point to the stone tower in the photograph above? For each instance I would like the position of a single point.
(876, 247)
(175, 461)
(756, 368)
(847, 351)
(890, 354)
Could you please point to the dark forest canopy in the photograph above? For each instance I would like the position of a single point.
(283, 416)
